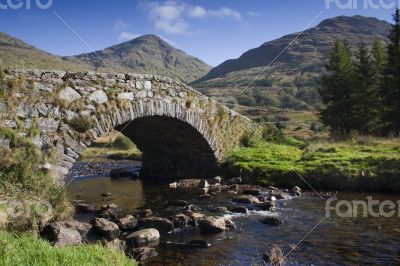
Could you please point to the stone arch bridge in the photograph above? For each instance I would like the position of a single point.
(180, 132)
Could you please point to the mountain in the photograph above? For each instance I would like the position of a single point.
(148, 54)
(16, 53)
(291, 80)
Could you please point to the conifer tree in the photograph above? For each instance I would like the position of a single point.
(391, 85)
(336, 90)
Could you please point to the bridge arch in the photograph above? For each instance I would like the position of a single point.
(181, 132)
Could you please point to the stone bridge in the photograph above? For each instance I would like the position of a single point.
(180, 132)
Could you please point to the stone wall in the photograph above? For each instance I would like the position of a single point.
(42, 104)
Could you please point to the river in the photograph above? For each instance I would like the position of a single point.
(334, 240)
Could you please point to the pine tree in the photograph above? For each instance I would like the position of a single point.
(365, 98)
(336, 90)
(391, 85)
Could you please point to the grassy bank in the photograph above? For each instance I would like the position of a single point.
(368, 164)
(24, 249)
(118, 147)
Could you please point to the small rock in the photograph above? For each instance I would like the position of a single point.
(266, 206)
(61, 235)
(180, 221)
(98, 97)
(234, 187)
(141, 254)
(105, 227)
(205, 196)
(116, 244)
(218, 209)
(246, 199)
(203, 184)
(179, 203)
(127, 223)
(215, 180)
(271, 221)
(69, 94)
(212, 225)
(173, 185)
(252, 192)
(84, 207)
(235, 180)
(296, 189)
(194, 208)
(106, 195)
(238, 209)
(143, 237)
(161, 224)
(146, 213)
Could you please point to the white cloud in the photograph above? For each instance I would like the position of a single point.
(120, 25)
(252, 13)
(226, 12)
(172, 17)
(197, 12)
(127, 36)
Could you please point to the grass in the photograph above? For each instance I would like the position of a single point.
(25, 249)
(358, 164)
(118, 147)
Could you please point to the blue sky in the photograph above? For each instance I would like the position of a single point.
(213, 31)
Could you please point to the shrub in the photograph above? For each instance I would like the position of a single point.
(80, 124)
(123, 143)
(249, 139)
(246, 100)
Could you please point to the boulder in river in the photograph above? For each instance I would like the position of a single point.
(161, 224)
(238, 209)
(127, 172)
(266, 206)
(141, 254)
(127, 223)
(253, 192)
(246, 199)
(296, 190)
(180, 221)
(61, 235)
(271, 220)
(214, 180)
(218, 209)
(178, 203)
(116, 243)
(105, 228)
(235, 180)
(85, 207)
(143, 237)
(210, 224)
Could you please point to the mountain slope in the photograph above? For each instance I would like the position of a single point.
(292, 78)
(16, 53)
(147, 54)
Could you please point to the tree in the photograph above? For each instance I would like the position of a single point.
(390, 90)
(365, 98)
(336, 89)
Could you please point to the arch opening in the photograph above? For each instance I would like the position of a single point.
(171, 149)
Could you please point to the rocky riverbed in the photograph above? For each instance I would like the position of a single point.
(205, 207)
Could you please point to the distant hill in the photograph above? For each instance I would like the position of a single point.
(16, 53)
(291, 81)
(147, 54)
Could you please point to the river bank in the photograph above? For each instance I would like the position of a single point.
(363, 164)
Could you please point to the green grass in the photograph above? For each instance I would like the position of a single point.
(24, 249)
(372, 164)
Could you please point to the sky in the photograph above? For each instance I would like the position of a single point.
(212, 30)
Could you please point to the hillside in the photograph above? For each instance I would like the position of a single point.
(291, 81)
(16, 53)
(147, 54)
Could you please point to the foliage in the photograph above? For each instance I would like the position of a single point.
(391, 80)
(123, 143)
(246, 100)
(23, 178)
(80, 124)
(25, 249)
